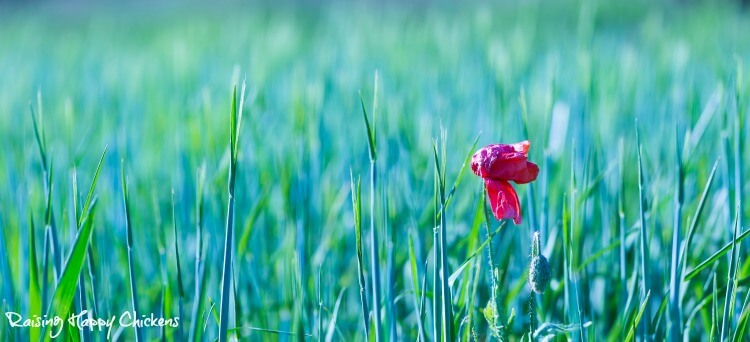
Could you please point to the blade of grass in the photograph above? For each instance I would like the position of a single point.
(675, 309)
(636, 321)
(446, 296)
(35, 303)
(199, 279)
(415, 287)
(47, 167)
(374, 241)
(247, 232)
(390, 272)
(643, 239)
(357, 210)
(332, 322)
(226, 276)
(130, 245)
(62, 299)
(180, 287)
(710, 260)
(694, 223)
(466, 162)
(728, 303)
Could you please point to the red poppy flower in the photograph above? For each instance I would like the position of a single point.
(498, 164)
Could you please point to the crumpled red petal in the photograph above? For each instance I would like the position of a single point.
(527, 175)
(503, 200)
(505, 162)
(497, 161)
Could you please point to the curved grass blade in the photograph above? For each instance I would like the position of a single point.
(62, 299)
(710, 260)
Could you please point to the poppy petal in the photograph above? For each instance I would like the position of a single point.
(503, 200)
(498, 161)
(527, 175)
(522, 147)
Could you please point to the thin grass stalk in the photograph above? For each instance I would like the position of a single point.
(675, 309)
(390, 273)
(534, 224)
(374, 244)
(694, 223)
(357, 209)
(46, 266)
(237, 305)
(320, 304)
(35, 303)
(621, 225)
(226, 276)
(166, 294)
(738, 143)
(131, 263)
(415, 288)
(644, 329)
(436, 304)
(198, 297)
(80, 299)
(47, 167)
(567, 226)
(180, 287)
(447, 305)
(726, 321)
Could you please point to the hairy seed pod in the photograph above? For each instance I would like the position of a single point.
(539, 274)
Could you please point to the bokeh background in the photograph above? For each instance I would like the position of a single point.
(153, 83)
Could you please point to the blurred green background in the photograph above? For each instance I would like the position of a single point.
(153, 83)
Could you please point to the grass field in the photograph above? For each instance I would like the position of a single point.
(300, 172)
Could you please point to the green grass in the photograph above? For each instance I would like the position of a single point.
(258, 230)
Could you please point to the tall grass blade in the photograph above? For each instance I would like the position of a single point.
(446, 296)
(357, 210)
(645, 328)
(675, 309)
(374, 241)
(62, 299)
(729, 298)
(180, 286)
(415, 287)
(694, 222)
(47, 167)
(130, 245)
(35, 301)
(226, 276)
(199, 278)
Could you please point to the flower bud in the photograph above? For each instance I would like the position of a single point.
(540, 273)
